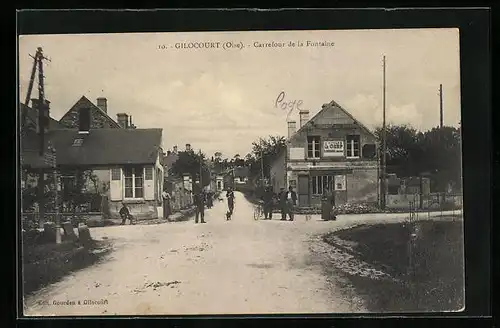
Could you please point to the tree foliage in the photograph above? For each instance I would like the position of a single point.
(73, 192)
(192, 163)
(436, 152)
(264, 152)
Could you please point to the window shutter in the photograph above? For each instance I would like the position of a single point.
(149, 186)
(115, 184)
(369, 151)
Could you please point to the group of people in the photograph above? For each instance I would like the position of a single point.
(285, 199)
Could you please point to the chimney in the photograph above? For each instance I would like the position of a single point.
(304, 117)
(102, 103)
(122, 119)
(84, 120)
(292, 128)
(132, 126)
(175, 149)
(188, 147)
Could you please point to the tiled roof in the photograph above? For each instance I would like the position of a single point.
(100, 147)
(333, 103)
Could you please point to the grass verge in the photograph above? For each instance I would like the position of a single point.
(429, 275)
(44, 264)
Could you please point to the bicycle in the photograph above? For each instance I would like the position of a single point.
(258, 211)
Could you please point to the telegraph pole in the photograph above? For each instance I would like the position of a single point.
(441, 106)
(42, 122)
(262, 162)
(201, 164)
(384, 145)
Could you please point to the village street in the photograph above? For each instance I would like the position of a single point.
(240, 266)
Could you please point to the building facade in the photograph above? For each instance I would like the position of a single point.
(331, 150)
(126, 164)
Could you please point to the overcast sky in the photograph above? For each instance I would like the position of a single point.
(222, 100)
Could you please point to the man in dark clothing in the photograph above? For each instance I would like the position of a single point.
(166, 204)
(210, 199)
(268, 198)
(230, 203)
(288, 199)
(125, 214)
(199, 200)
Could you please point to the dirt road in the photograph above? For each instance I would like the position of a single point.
(240, 266)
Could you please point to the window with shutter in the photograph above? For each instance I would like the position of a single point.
(134, 182)
(369, 151)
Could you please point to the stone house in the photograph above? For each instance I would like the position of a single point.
(330, 150)
(240, 174)
(126, 162)
(99, 115)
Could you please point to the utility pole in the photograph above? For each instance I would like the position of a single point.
(30, 88)
(201, 165)
(384, 145)
(42, 107)
(262, 162)
(441, 106)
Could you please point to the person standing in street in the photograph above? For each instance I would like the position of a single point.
(210, 199)
(288, 200)
(268, 199)
(167, 209)
(230, 203)
(199, 200)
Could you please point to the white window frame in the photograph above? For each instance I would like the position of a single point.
(313, 146)
(320, 187)
(349, 151)
(133, 168)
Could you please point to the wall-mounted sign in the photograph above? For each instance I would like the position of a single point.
(340, 183)
(333, 148)
(297, 153)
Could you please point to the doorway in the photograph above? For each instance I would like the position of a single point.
(303, 190)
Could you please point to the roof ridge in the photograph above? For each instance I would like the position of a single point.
(95, 106)
(324, 108)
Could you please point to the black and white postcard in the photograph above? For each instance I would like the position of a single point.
(241, 172)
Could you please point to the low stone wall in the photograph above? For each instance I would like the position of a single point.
(138, 209)
(432, 201)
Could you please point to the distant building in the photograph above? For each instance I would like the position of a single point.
(332, 149)
(240, 175)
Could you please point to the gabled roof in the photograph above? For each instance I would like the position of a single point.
(101, 147)
(324, 109)
(84, 101)
(32, 117)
